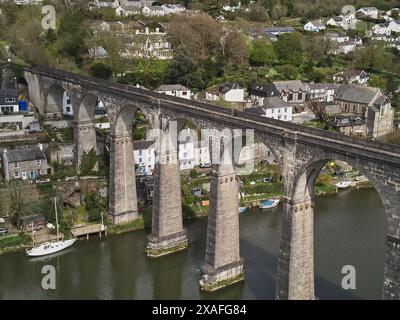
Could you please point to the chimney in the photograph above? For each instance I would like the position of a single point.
(40, 146)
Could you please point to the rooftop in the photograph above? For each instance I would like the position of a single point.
(28, 154)
(355, 93)
(172, 87)
(142, 144)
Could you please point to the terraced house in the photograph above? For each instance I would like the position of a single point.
(28, 163)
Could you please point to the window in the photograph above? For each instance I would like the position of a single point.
(68, 101)
(185, 154)
(9, 100)
(68, 109)
(184, 93)
(299, 96)
(290, 97)
(140, 160)
(39, 162)
(285, 110)
(285, 117)
(16, 174)
(16, 165)
(140, 152)
(272, 110)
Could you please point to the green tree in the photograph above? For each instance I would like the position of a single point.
(72, 34)
(289, 48)
(88, 161)
(101, 71)
(17, 208)
(261, 53)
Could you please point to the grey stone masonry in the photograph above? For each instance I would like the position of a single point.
(85, 140)
(222, 265)
(122, 192)
(391, 284)
(167, 233)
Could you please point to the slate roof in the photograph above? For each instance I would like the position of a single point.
(267, 90)
(29, 154)
(229, 86)
(326, 86)
(274, 102)
(358, 94)
(142, 144)
(290, 85)
(256, 110)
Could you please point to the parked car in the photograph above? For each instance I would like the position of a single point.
(268, 179)
(205, 165)
(3, 230)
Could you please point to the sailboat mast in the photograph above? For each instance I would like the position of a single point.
(55, 208)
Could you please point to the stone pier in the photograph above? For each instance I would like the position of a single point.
(391, 282)
(222, 265)
(295, 280)
(85, 140)
(122, 194)
(167, 232)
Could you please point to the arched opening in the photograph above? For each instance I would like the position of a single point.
(349, 229)
(54, 101)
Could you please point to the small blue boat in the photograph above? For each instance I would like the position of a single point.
(242, 209)
(269, 203)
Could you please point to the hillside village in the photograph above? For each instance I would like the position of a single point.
(315, 72)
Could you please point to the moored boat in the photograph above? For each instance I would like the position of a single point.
(269, 203)
(242, 209)
(343, 184)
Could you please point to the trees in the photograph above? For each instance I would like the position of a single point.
(101, 71)
(72, 33)
(261, 53)
(289, 48)
(236, 54)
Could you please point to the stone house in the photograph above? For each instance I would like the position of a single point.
(28, 163)
(370, 104)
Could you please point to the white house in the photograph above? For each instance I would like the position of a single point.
(186, 155)
(202, 156)
(314, 26)
(386, 28)
(337, 37)
(144, 155)
(153, 11)
(66, 105)
(231, 92)
(275, 108)
(343, 21)
(359, 77)
(322, 91)
(371, 12)
(8, 101)
(125, 11)
(173, 8)
(176, 90)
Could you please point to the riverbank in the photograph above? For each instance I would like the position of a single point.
(193, 206)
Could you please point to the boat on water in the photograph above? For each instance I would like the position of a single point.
(242, 209)
(269, 203)
(49, 247)
(343, 184)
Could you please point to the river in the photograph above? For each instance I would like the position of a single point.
(350, 229)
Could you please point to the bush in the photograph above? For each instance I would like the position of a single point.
(94, 215)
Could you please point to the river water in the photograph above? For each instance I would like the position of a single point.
(349, 230)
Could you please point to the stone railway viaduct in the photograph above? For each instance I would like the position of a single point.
(300, 151)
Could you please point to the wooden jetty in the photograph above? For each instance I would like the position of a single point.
(87, 230)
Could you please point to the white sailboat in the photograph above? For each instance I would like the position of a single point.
(49, 247)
